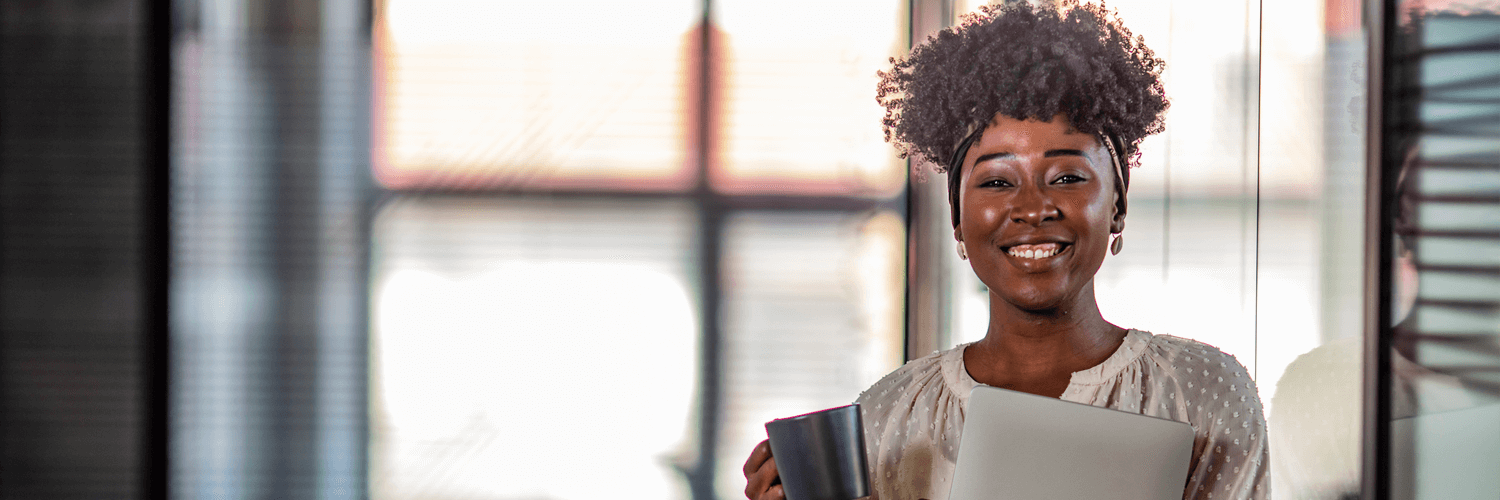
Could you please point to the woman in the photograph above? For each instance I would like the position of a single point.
(1036, 113)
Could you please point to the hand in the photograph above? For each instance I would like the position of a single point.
(761, 480)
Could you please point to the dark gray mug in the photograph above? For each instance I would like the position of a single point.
(821, 455)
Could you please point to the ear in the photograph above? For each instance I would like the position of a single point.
(1117, 224)
(958, 234)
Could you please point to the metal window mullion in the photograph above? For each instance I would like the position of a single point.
(928, 233)
(1375, 461)
(710, 249)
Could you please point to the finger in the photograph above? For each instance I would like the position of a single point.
(758, 455)
(758, 483)
(770, 470)
(775, 493)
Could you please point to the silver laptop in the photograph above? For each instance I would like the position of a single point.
(1019, 446)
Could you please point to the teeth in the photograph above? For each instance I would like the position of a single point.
(1042, 251)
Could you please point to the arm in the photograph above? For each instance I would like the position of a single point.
(1231, 454)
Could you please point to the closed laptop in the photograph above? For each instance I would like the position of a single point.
(1019, 446)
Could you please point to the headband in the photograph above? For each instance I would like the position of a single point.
(1114, 158)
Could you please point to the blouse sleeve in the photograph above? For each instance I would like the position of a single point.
(1230, 450)
(868, 416)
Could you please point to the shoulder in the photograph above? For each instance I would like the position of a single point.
(1210, 383)
(921, 385)
(914, 374)
(1220, 400)
(912, 418)
(1188, 359)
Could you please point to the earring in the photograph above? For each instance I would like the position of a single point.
(1116, 245)
(961, 254)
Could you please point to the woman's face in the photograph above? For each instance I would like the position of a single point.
(1037, 206)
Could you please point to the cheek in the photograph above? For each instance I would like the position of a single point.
(1096, 214)
(1100, 209)
(980, 214)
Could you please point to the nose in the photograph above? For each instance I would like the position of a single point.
(1033, 206)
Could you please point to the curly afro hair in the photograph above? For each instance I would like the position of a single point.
(1026, 62)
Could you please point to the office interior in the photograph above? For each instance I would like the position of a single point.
(500, 249)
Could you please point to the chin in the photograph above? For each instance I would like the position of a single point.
(1035, 302)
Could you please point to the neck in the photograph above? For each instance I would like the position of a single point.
(1023, 344)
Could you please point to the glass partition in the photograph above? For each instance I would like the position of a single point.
(1440, 171)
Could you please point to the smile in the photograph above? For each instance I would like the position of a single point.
(1039, 251)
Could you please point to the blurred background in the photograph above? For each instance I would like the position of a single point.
(493, 249)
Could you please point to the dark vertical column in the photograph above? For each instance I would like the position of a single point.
(705, 109)
(76, 244)
(1439, 231)
(1375, 466)
(346, 211)
(710, 254)
(156, 242)
(289, 58)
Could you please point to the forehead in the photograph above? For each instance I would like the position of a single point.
(1026, 136)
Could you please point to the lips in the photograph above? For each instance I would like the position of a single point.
(1036, 251)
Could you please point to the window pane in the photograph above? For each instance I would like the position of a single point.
(799, 108)
(482, 94)
(532, 349)
(813, 316)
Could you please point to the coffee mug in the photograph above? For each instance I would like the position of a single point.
(821, 455)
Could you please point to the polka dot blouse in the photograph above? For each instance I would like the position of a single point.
(913, 417)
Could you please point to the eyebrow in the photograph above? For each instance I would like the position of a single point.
(1049, 154)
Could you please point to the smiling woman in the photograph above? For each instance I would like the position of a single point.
(1038, 112)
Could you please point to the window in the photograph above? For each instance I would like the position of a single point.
(619, 237)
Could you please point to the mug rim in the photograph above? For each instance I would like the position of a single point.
(812, 414)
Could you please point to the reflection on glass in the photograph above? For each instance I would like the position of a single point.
(531, 349)
(812, 317)
(1442, 150)
(479, 94)
(799, 109)
(1315, 360)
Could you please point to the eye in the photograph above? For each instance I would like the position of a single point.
(1068, 179)
(995, 183)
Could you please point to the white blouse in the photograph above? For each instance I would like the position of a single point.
(914, 416)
